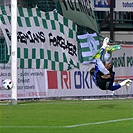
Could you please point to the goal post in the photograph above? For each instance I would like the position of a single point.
(14, 50)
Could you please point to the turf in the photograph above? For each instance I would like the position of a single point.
(75, 116)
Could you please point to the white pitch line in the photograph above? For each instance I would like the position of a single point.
(32, 126)
(71, 126)
(99, 123)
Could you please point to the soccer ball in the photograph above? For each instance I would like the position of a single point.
(7, 84)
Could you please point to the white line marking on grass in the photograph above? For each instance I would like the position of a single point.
(32, 126)
(25, 104)
(99, 123)
(71, 126)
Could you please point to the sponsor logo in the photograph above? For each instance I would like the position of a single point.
(52, 80)
(102, 3)
(65, 80)
(68, 80)
(127, 4)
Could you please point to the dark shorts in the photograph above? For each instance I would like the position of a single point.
(104, 84)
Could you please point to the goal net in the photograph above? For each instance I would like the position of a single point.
(30, 32)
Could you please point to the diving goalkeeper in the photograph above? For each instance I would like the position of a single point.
(103, 74)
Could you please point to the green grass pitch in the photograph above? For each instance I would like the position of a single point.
(68, 116)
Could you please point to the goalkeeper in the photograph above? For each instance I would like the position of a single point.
(103, 74)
